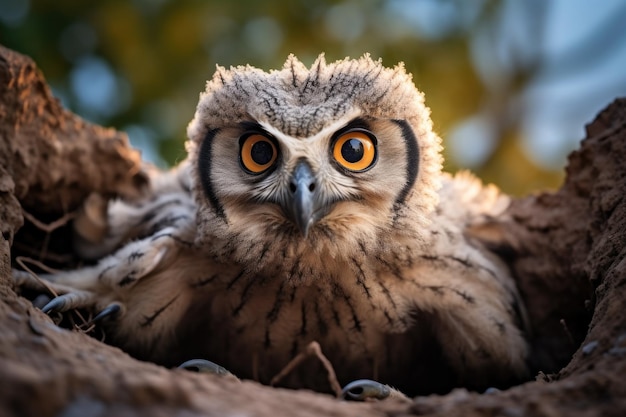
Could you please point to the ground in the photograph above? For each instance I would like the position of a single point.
(566, 248)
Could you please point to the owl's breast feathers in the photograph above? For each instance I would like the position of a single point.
(404, 305)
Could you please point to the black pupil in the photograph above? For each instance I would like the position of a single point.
(262, 152)
(352, 150)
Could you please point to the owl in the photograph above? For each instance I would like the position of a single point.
(311, 208)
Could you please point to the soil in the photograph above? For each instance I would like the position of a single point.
(566, 248)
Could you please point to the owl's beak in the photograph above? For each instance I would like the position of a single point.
(303, 206)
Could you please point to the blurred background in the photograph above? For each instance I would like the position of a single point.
(510, 83)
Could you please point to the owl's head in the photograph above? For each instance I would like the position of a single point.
(329, 159)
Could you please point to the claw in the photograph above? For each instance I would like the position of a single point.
(204, 366)
(365, 389)
(111, 310)
(69, 301)
(41, 300)
(491, 390)
(57, 304)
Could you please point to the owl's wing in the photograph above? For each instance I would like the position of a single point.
(102, 225)
(483, 219)
(467, 290)
(130, 240)
(466, 201)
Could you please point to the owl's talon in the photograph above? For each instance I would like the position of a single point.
(365, 389)
(41, 300)
(111, 310)
(204, 366)
(57, 304)
(69, 301)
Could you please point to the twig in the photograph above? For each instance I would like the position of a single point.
(567, 332)
(50, 256)
(21, 261)
(313, 349)
(48, 227)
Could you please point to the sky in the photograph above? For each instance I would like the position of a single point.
(580, 56)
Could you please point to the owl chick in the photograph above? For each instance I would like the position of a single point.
(311, 208)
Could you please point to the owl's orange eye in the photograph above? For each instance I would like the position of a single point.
(258, 153)
(355, 150)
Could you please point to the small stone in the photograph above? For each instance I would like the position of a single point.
(590, 347)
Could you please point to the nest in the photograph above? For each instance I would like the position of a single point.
(566, 249)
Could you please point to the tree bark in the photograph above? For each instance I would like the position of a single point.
(566, 249)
